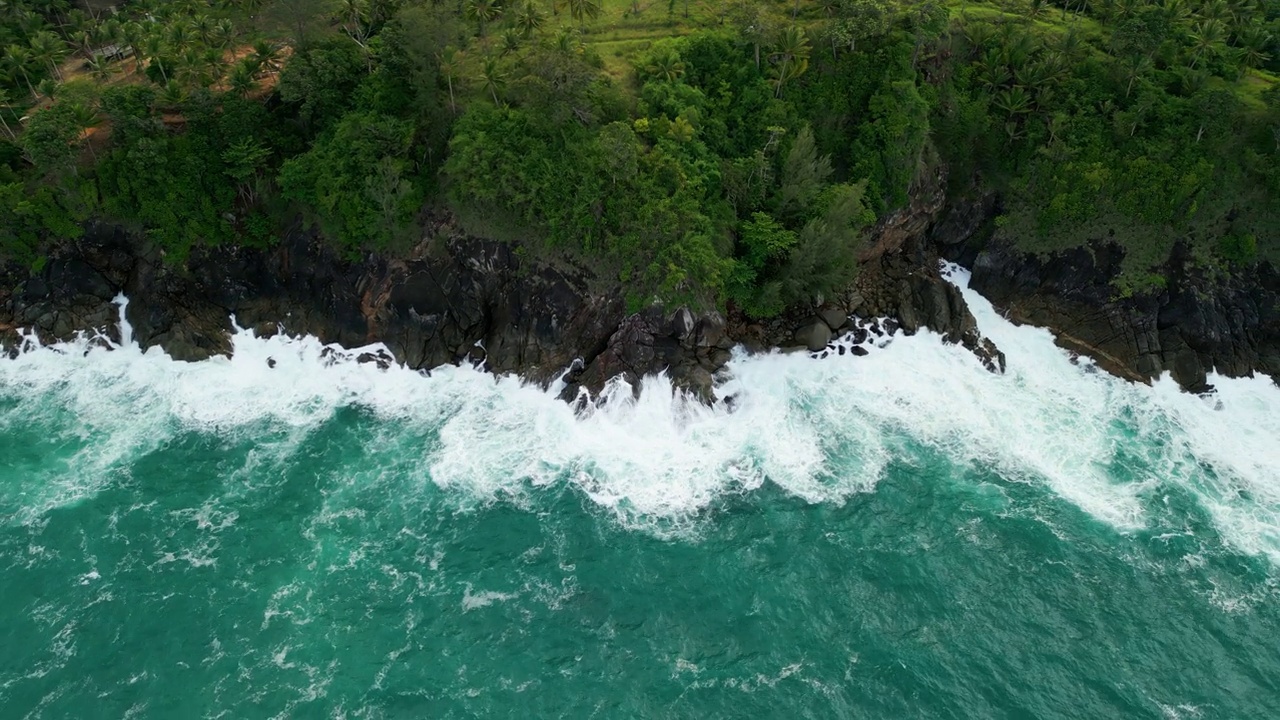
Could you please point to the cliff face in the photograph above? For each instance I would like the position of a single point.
(455, 298)
(1197, 323)
(899, 279)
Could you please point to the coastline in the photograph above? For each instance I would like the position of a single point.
(456, 298)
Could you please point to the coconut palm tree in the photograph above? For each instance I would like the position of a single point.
(830, 8)
(529, 18)
(202, 26)
(512, 38)
(110, 32)
(483, 12)
(1191, 81)
(101, 68)
(243, 77)
(4, 101)
(173, 96)
(133, 36)
(188, 66)
(214, 62)
(1215, 10)
(179, 36)
(1134, 68)
(1208, 38)
(583, 10)
(449, 61)
(666, 65)
(48, 49)
(83, 40)
(352, 11)
(49, 88)
(266, 56)
(1125, 9)
(17, 59)
(76, 23)
(790, 57)
(1014, 102)
(85, 118)
(153, 46)
(1176, 11)
(29, 23)
(567, 42)
(224, 33)
(1253, 46)
(493, 77)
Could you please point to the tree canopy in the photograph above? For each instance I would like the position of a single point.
(739, 161)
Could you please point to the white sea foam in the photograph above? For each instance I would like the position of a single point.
(821, 430)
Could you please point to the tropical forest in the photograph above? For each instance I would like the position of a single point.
(699, 151)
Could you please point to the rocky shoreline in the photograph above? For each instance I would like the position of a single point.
(455, 298)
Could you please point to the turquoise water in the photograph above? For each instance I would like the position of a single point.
(901, 535)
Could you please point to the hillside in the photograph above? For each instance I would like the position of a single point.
(701, 152)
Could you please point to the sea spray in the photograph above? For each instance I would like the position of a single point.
(818, 429)
(293, 532)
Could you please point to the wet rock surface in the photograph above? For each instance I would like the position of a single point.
(453, 299)
(1196, 323)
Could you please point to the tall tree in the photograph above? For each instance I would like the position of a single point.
(755, 23)
(1207, 40)
(584, 10)
(493, 77)
(16, 61)
(48, 49)
(450, 60)
(790, 57)
(4, 108)
(860, 20)
(483, 12)
(529, 19)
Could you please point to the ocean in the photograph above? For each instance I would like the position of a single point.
(290, 533)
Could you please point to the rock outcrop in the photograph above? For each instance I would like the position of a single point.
(1195, 324)
(453, 299)
(899, 279)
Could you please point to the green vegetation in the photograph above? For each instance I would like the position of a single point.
(702, 152)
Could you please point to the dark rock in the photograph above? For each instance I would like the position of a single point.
(646, 343)
(430, 307)
(380, 358)
(814, 335)
(711, 331)
(1194, 324)
(1189, 372)
(834, 317)
(682, 324)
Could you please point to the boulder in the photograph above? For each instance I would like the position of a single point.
(834, 317)
(681, 324)
(814, 335)
(1189, 372)
(854, 301)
